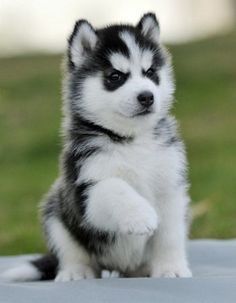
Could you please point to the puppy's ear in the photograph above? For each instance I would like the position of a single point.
(81, 42)
(149, 27)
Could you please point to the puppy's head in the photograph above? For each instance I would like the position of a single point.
(119, 76)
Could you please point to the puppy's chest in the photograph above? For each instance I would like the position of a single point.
(136, 163)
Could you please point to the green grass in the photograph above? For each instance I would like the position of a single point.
(30, 102)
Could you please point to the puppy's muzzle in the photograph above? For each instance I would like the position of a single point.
(145, 99)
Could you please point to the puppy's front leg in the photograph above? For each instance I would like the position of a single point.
(169, 252)
(114, 206)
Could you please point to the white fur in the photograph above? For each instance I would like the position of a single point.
(146, 59)
(136, 53)
(169, 257)
(84, 38)
(120, 62)
(133, 180)
(22, 273)
(110, 274)
(74, 261)
(125, 65)
(127, 254)
(150, 28)
(167, 88)
(115, 110)
(120, 209)
(140, 59)
(136, 182)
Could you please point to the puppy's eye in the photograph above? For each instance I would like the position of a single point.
(114, 79)
(115, 76)
(150, 72)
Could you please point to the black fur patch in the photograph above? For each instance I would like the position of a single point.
(47, 266)
(93, 240)
(154, 76)
(166, 130)
(109, 42)
(80, 134)
(81, 196)
(72, 160)
(67, 202)
(113, 85)
(88, 129)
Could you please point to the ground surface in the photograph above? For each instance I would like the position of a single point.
(214, 277)
(29, 142)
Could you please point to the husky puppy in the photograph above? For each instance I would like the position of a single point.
(120, 201)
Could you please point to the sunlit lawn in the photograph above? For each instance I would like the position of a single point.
(30, 102)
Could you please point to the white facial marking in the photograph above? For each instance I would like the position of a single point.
(140, 59)
(135, 52)
(120, 62)
(146, 59)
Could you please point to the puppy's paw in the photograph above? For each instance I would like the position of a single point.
(171, 270)
(75, 273)
(105, 274)
(141, 220)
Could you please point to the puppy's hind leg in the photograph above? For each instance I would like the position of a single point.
(74, 262)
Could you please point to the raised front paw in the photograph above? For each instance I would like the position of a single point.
(141, 220)
(171, 270)
(75, 273)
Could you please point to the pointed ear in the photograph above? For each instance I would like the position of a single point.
(81, 42)
(149, 27)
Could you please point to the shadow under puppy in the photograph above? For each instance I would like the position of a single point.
(120, 201)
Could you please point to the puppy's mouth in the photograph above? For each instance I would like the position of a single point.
(144, 112)
(138, 113)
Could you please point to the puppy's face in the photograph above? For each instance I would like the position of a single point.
(120, 75)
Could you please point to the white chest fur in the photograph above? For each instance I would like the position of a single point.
(151, 169)
(145, 164)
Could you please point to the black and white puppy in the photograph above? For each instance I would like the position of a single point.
(120, 201)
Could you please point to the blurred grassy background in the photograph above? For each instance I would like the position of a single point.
(30, 102)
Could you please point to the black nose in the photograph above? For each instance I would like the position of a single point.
(146, 99)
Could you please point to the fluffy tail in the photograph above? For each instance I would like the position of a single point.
(43, 268)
